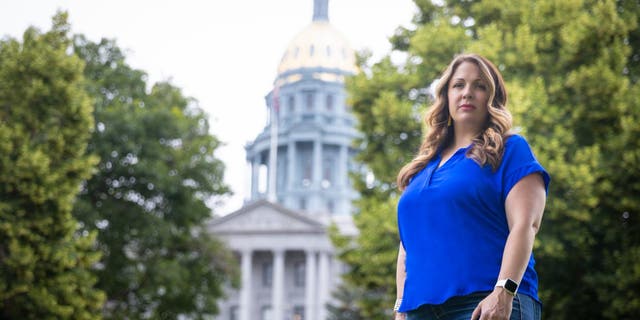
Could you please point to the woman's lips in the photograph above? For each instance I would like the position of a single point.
(467, 107)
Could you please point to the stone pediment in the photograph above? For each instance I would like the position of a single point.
(265, 217)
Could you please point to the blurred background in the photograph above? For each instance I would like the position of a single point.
(125, 188)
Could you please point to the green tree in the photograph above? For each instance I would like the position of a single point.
(346, 307)
(45, 123)
(147, 200)
(571, 71)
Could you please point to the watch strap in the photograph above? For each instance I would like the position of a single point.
(396, 307)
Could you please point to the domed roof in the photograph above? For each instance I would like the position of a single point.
(318, 45)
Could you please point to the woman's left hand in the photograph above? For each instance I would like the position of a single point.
(496, 306)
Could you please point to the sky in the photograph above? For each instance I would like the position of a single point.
(222, 53)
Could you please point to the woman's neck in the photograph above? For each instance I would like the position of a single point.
(463, 138)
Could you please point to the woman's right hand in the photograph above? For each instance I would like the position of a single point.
(400, 316)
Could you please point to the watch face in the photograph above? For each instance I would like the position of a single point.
(511, 285)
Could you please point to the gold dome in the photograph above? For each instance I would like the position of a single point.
(318, 45)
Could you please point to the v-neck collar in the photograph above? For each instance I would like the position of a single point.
(441, 164)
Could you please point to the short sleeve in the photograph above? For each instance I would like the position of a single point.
(518, 162)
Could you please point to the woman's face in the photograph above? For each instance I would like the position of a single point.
(468, 96)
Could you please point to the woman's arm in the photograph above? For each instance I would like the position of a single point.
(401, 274)
(524, 206)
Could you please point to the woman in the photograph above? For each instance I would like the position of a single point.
(471, 206)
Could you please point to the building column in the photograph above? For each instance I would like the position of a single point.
(310, 286)
(317, 163)
(342, 174)
(245, 289)
(277, 296)
(255, 174)
(343, 180)
(291, 172)
(315, 204)
(323, 285)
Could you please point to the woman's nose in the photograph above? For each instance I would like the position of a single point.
(467, 94)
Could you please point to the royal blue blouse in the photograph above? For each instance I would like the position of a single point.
(453, 225)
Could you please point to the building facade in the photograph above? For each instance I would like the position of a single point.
(299, 184)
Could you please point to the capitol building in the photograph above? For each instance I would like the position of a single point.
(299, 184)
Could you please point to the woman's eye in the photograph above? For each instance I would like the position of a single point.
(481, 86)
(458, 85)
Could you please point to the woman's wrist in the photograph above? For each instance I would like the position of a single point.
(504, 293)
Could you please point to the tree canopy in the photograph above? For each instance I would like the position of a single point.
(104, 185)
(45, 123)
(571, 69)
(148, 197)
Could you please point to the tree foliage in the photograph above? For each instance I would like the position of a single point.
(571, 69)
(346, 307)
(45, 123)
(148, 198)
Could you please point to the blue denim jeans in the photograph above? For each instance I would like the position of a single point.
(461, 308)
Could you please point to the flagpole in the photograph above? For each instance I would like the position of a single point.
(273, 147)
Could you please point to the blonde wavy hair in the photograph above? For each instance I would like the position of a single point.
(488, 146)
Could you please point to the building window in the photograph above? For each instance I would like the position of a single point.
(303, 204)
(265, 313)
(331, 207)
(233, 313)
(306, 174)
(304, 167)
(299, 274)
(263, 175)
(267, 274)
(309, 97)
(328, 166)
(306, 177)
(329, 102)
(326, 178)
(292, 104)
(298, 313)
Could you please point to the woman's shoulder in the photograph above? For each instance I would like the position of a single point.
(516, 148)
(516, 141)
(520, 160)
(515, 138)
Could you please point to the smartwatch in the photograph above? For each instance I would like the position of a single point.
(396, 307)
(509, 285)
